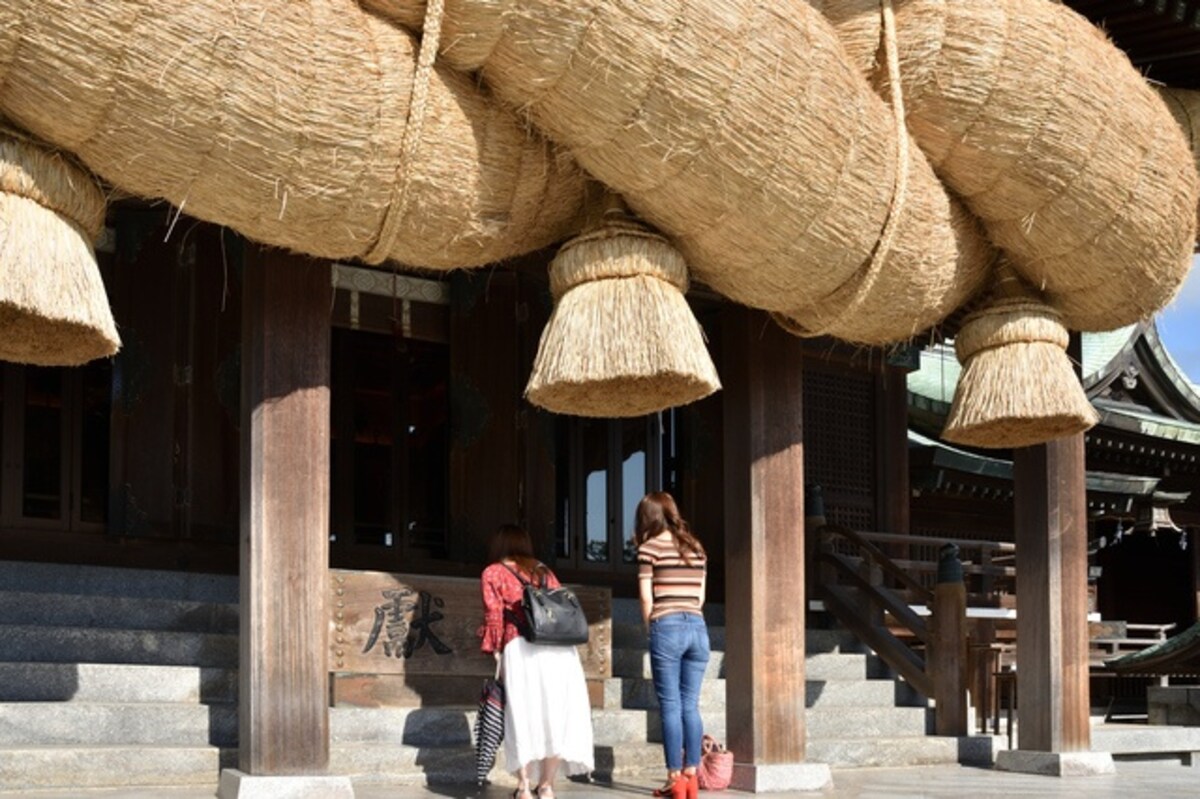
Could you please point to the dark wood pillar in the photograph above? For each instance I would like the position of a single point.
(283, 704)
(1194, 545)
(1051, 537)
(764, 554)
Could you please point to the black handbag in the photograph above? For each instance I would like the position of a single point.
(553, 616)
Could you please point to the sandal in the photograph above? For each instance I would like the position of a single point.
(522, 793)
(675, 788)
(545, 792)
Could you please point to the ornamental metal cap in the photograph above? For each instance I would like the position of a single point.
(950, 568)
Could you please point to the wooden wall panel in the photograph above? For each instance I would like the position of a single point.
(144, 466)
(413, 624)
(484, 396)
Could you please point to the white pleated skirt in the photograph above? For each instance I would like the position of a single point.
(547, 713)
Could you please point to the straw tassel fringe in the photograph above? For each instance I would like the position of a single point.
(622, 340)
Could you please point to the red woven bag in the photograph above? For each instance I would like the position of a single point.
(716, 765)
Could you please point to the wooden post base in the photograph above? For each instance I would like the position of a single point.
(771, 777)
(1056, 764)
(239, 785)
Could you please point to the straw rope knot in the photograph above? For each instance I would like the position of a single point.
(883, 246)
(614, 251)
(53, 180)
(410, 145)
(52, 300)
(622, 340)
(1014, 320)
(1017, 385)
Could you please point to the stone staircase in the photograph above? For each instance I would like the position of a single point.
(114, 677)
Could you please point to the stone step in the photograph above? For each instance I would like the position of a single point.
(639, 693)
(831, 666)
(71, 610)
(1144, 739)
(839, 640)
(27, 768)
(107, 682)
(629, 611)
(899, 752)
(101, 723)
(632, 635)
(831, 723)
(635, 664)
(59, 578)
(452, 726)
(92, 645)
(412, 765)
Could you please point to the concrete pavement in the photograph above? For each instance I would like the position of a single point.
(1157, 779)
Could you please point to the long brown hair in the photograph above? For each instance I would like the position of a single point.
(513, 543)
(657, 512)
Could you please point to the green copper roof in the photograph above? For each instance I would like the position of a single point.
(1099, 349)
(931, 387)
(938, 375)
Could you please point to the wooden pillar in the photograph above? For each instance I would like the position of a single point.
(948, 653)
(1051, 537)
(283, 702)
(764, 556)
(1194, 545)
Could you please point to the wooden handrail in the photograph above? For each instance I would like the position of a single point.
(881, 596)
(962, 543)
(877, 555)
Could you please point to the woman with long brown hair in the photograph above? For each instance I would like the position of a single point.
(672, 575)
(547, 716)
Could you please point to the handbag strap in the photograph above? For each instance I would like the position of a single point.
(518, 575)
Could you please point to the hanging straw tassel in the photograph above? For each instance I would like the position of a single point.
(1017, 387)
(622, 340)
(53, 309)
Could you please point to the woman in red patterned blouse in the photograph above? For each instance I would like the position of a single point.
(547, 717)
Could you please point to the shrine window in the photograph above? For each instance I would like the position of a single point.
(55, 443)
(605, 468)
(390, 423)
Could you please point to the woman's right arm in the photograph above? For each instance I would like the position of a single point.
(646, 587)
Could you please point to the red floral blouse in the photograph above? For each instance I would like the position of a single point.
(502, 593)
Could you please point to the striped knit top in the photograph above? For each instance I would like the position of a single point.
(678, 587)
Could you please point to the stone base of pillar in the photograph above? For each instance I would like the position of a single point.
(764, 778)
(239, 785)
(1056, 764)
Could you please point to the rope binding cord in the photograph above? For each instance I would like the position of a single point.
(887, 236)
(417, 107)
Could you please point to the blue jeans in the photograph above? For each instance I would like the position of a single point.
(678, 655)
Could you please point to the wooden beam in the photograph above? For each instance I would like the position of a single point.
(1052, 645)
(283, 714)
(764, 540)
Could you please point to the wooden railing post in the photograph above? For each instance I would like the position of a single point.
(948, 653)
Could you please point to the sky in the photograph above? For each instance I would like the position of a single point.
(1179, 325)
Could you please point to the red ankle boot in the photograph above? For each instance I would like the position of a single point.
(693, 785)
